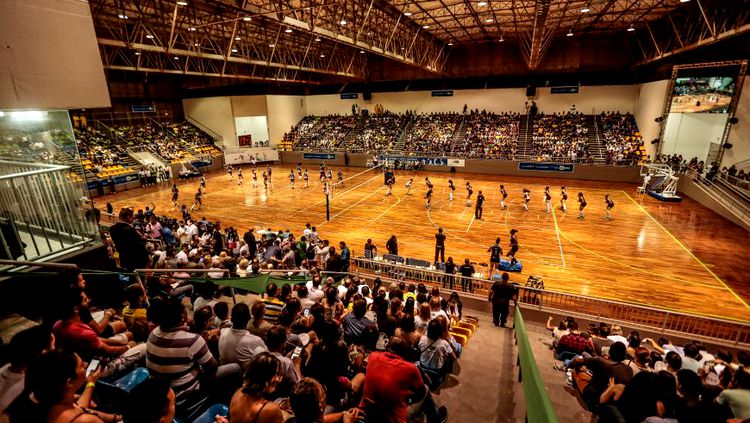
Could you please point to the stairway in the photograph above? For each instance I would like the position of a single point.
(525, 128)
(459, 137)
(353, 133)
(597, 150)
(397, 146)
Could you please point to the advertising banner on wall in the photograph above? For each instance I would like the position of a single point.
(424, 161)
(319, 156)
(546, 167)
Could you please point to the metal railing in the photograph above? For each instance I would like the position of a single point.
(42, 213)
(722, 196)
(718, 331)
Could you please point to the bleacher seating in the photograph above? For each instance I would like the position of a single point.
(379, 132)
(327, 134)
(433, 132)
(621, 138)
(560, 136)
(490, 135)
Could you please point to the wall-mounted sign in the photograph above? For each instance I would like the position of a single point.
(319, 156)
(143, 109)
(564, 90)
(349, 96)
(546, 167)
(442, 93)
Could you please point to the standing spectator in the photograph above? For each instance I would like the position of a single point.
(466, 270)
(440, 245)
(500, 295)
(392, 245)
(345, 256)
(252, 246)
(128, 242)
(370, 249)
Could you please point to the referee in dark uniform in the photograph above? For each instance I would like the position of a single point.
(479, 206)
(440, 246)
(500, 295)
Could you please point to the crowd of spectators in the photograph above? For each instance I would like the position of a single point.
(432, 132)
(327, 343)
(560, 136)
(379, 131)
(175, 141)
(621, 138)
(299, 130)
(47, 147)
(328, 134)
(490, 135)
(624, 378)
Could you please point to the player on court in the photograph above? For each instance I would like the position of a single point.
(329, 175)
(389, 184)
(428, 198)
(428, 183)
(496, 251)
(265, 180)
(198, 200)
(175, 194)
(513, 243)
(581, 205)
(322, 172)
(229, 171)
(451, 189)
(469, 193)
(547, 200)
(340, 176)
(526, 198)
(291, 178)
(270, 173)
(305, 176)
(610, 205)
(408, 186)
(203, 182)
(240, 178)
(504, 195)
(564, 194)
(299, 171)
(255, 178)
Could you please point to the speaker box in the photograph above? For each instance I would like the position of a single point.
(531, 91)
(367, 96)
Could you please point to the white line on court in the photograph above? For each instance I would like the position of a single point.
(470, 223)
(557, 232)
(352, 205)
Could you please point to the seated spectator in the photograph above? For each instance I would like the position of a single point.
(259, 326)
(573, 342)
(394, 389)
(308, 399)
(329, 363)
(236, 343)
(273, 304)
(602, 370)
(290, 371)
(151, 401)
(134, 314)
(737, 396)
(437, 356)
(23, 348)
(355, 323)
(248, 404)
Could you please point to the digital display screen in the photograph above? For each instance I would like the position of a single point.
(702, 94)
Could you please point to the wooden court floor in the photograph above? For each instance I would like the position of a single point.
(682, 257)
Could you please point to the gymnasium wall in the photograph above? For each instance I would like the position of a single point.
(215, 113)
(691, 134)
(284, 111)
(589, 99)
(649, 104)
(49, 56)
(739, 133)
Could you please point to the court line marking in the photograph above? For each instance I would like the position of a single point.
(687, 250)
(470, 223)
(350, 206)
(339, 195)
(557, 232)
(388, 209)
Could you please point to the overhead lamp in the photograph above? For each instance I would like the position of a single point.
(247, 19)
(196, 44)
(192, 28)
(237, 38)
(407, 13)
(322, 55)
(176, 58)
(182, 3)
(137, 53)
(450, 43)
(234, 50)
(288, 30)
(489, 20)
(570, 33)
(585, 10)
(501, 39)
(122, 16)
(29, 116)
(482, 4)
(317, 39)
(272, 45)
(684, 1)
(426, 26)
(149, 36)
(343, 22)
(361, 52)
(630, 28)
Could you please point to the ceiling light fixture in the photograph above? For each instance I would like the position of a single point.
(489, 20)
(182, 3)
(570, 33)
(343, 22)
(317, 39)
(684, 1)
(121, 16)
(426, 26)
(450, 43)
(630, 28)
(237, 38)
(361, 52)
(482, 4)
(192, 28)
(234, 50)
(585, 10)
(149, 36)
(137, 53)
(288, 30)
(322, 55)
(501, 39)
(407, 13)
(196, 44)
(176, 58)
(247, 19)
(272, 45)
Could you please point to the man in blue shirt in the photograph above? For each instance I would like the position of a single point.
(345, 256)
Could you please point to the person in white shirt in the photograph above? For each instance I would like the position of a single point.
(322, 253)
(24, 347)
(182, 256)
(237, 344)
(192, 230)
(315, 292)
(306, 233)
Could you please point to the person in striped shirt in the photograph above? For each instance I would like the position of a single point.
(273, 304)
(184, 359)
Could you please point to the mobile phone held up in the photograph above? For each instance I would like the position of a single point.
(296, 353)
(92, 367)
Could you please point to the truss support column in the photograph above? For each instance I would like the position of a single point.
(710, 26)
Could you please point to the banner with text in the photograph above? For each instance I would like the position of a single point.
(424, 161)
(547, 167)
(246, 155)
(319, 156)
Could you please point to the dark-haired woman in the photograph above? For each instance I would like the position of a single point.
(513, 243)
(248, 404)
(392, 245)
(495, 252)
(563, 198)
(610, 204)
(581, 205)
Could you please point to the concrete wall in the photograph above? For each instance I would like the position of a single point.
(691, 134)
(649, 104)
(586, 172)
(215, 113)
(284, 111)
(739, 134)
(589, 99)
(49, 55)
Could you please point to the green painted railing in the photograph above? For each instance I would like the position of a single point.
(538, 406)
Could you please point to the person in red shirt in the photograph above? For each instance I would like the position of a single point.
(574, 342)
(392, 384)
